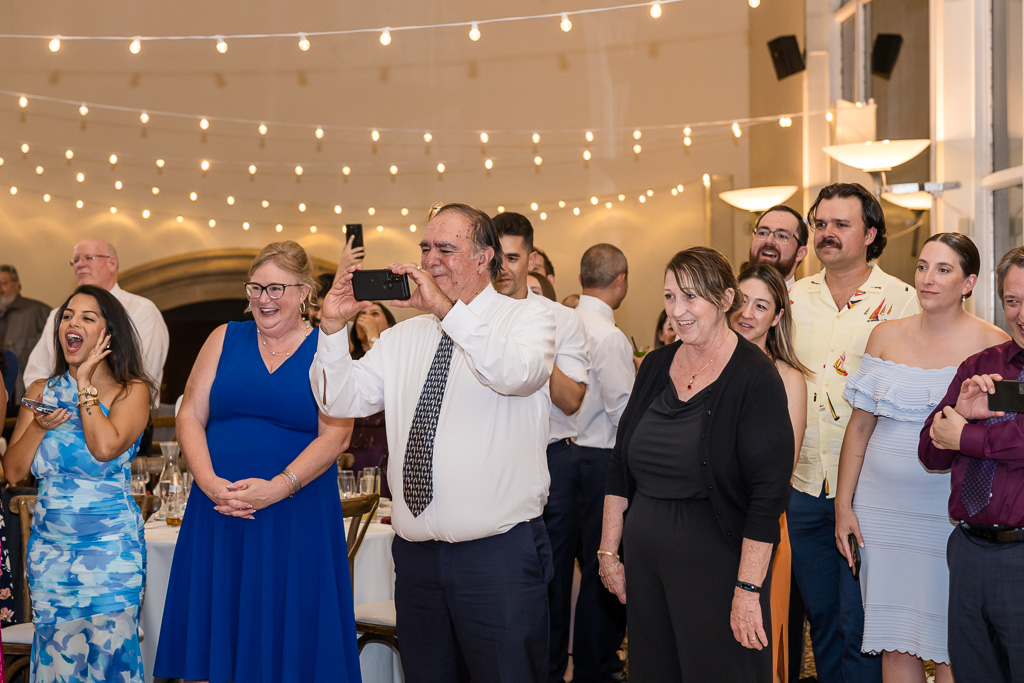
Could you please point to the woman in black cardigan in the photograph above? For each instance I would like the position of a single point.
(702, 462)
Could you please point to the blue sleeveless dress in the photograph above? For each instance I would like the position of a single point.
(86, 557)
(266, 600)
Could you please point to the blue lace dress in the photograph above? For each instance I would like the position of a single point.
(86, 557)
(902, 509)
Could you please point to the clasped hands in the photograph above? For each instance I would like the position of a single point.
(244, 497)
(340, 305)
(971, 404)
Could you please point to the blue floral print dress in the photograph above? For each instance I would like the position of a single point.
(86, 557)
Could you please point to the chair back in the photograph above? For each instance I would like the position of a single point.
(359, 510)
(147, 504)
(24, 507)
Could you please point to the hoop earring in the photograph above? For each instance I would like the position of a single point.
(302, 307)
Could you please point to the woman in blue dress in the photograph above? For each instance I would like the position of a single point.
(86, 553)
(898, 515)
(259, 588)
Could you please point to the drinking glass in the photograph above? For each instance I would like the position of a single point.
(374, 474)
(347, 483)
(367, 484)
(140, 477)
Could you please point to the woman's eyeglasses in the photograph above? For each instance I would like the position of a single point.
(254, 290)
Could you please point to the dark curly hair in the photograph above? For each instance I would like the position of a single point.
(870, 212)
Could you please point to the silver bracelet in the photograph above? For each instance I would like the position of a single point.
(293, 482)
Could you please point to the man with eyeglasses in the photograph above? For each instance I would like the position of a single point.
(95, 263)
(780, 240)
(834, 312)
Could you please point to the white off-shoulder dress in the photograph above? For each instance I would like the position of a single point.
(903, 512)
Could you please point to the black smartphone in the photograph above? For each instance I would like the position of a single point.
(855, 551)
(1008, 398)
(38, 406)
(379, 285)
(354, 232)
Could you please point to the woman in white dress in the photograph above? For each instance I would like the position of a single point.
(898, 516)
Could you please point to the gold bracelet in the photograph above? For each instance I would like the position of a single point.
(611, 569)
(609, 554)
(88, 402)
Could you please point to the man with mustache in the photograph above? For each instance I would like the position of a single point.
(780, 240)
(834, 312)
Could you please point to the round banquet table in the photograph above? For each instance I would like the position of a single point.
(374, 581)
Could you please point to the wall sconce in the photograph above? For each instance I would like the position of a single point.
(877, 157)
(758, 199)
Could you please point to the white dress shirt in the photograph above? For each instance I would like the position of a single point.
(489, 466)
(571, 357)
(611, 374)
(149, 323)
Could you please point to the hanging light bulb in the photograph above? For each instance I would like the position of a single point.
(656, 10)
(113, 209)
(440, 167)
(204, 123)
(345, 170)
(155, 190)
(637, 149)
(312, 229)
(642, 199)
(135, 47)
(484, 137)
(754, 4)
(79, 204)
(205, 165)
(405, 211)
(298, 170)
(474, 32)
(22, 101)
(371, 211)
(337, 209)
(231, 200)
(245, 225)
(40, 170)
(83, 110)
(828, 116)
(488, 164)
(637, 134)
(393, 170)
(319, 133)
(146, 213)
(561, 203)
(302, 207)
(594, 200)
(278, 227)
(55, 44)
(24, 148)
(412, 228)
(118, 185)
(69, 154)
(575, 211)
(375, 135)
(427, 137)
(160, 163)
(533, 206)
(212, 223)
(736, 131)
(543, 215)
(706, 179)
(501, 209)
(265, 204)
(536, 138)
(586, 155)
(303, 42)
(385, 37)
(222, 45)
(262, 129)
(252, 169)
(80, 177)
(608, 205)
(650, 193)
(687, 131)
(180, 219)
(589, 136)
(193, 196)
(621, 197)
(538, 160)
(380, 228)
(566, 25)
(687, 141)
(144, 118)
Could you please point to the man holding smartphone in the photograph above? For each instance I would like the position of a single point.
(467, 429)
(982, 443)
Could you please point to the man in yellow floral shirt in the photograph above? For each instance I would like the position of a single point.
(834, 312)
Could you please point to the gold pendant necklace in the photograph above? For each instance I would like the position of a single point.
(693, 377)
(263, 340)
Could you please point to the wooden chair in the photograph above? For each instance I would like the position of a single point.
(375, 621)
(359, 511)
(18, 638)
(147, 504)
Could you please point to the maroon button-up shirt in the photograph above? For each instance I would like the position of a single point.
(1002, 442)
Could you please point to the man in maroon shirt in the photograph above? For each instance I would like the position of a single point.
(985, 453)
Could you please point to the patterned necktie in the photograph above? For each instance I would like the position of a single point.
(418, 468)
(976, 491)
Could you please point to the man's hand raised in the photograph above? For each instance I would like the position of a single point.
(339, 305)
(427, 296)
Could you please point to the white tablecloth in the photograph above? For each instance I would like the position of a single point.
(374, 580)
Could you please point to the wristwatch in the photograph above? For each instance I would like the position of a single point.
(90, 390)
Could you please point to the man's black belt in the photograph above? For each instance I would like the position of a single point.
(995, 534)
